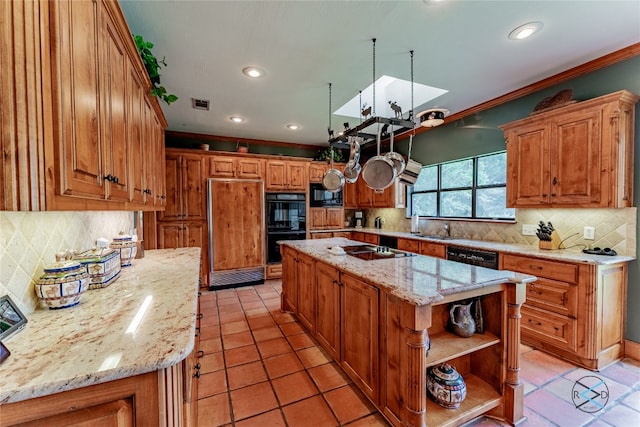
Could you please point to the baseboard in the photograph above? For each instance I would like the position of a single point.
(632, 349)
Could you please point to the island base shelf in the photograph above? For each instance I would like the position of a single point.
(447, 346)
(481, 398)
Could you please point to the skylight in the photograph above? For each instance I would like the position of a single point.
(390, 89)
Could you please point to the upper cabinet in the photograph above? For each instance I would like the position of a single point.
(580, 155)
(286, 175)
(185, 188)
(235, 167)
(93, 133)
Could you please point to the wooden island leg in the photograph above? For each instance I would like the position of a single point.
(514, 389)
(415, 402)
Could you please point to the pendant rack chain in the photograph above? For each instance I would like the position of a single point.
(374, 77)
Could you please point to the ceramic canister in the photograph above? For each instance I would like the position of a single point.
(446, 386)
(127, 247)
(62, 284)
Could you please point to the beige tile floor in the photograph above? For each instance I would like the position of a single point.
(260, 368)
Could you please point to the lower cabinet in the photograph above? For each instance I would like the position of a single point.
(306, 292)
(185, 235)
(289, 296)
(574, 310)
(328, 308)
(359, 312)
(126, 402)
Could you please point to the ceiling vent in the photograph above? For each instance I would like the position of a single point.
(200, 104)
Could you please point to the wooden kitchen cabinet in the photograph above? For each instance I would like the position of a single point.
(370, 238)
(409, 245)
(317, 171)
(289, 296)
(574, 310)
(350, 195)
(326, 218)
(286, 175)
(185, 235)
(359, 322)
(306, 292)
(365, 197)
(185, 183)
(235, 167)
(328, 326)
(433, 249)
(579, 155)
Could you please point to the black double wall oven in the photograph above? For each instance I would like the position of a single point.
(286, 220)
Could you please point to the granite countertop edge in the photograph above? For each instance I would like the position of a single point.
(83, 350)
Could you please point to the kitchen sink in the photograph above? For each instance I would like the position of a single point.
(434, 236)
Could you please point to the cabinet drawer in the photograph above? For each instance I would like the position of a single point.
(559, 297)
(409, 245)
(274, 271)
(541, 268)
(549, 327)
(433, 249)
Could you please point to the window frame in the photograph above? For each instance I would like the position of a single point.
(474, 187)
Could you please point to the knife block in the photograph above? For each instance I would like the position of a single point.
(552, 244)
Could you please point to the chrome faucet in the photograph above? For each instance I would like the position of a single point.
(447, 229)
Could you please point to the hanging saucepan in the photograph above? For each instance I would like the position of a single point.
(333, 180)
(352, 168)
(396, 158)
(379, 172)
(412, 168)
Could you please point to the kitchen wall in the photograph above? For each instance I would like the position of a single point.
(615, 228)
(29, 241)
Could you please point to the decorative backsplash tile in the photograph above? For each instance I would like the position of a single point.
(29, 241)
(615, 228)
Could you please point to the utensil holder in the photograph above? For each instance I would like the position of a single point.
(552, 244)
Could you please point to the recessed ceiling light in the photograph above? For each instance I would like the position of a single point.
(237, 119)
(293, 126)
(253, 72)
(525, 30)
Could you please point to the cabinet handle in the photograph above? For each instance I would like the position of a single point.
(200, 353)
(197, 366)
(534, 291)
(555, 181)
(535, 267)
(200, 316)
(533, 322)
(553, 194)
(197, 374)
(544, 195)
(197, 332)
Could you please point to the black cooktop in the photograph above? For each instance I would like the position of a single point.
(371, 253)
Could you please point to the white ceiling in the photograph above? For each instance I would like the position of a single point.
(460, 46)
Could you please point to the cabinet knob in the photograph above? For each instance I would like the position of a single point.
(555, 181)
(200, 354)
(197, 332)
(197, 374)
(197, 366)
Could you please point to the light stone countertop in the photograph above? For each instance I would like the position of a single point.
(91, 343)
(572, 255)
(418, 279)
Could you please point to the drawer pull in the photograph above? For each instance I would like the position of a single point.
(197, 374)
(197, 366)
(533, 322)
(535, 267)
(200, 316)
(200, 353)
(197, 334)
(535, 291)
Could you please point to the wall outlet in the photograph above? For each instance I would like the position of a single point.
(529, 229)
(589, 233)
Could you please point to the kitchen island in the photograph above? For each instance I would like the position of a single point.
(385, 321)
(117, 353)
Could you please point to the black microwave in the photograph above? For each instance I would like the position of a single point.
(320, 197)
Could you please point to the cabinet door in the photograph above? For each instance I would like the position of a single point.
(77, 107)
(249, 168)
(221, 167)
(194, 235)
(365, 194)
(135, 89)
(318, 218)
(335, 218)
(297, 176)
(289, 280)
(528, 167)
(114, 67)
(433, 249)
(328, 308)
(306, 292)
(275, 174)
(360, 334)
(160, 180)
(169, 235)
(316, 172)
(149, 152)
(172, 210)
(193, 199)
(350, 196)
(409, 245)
(576, 159)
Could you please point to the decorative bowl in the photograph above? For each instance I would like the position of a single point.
(62, 284)
(127, 248)
(446, 386)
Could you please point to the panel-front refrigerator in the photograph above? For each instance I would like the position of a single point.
(235, 212)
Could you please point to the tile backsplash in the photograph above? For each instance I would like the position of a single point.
(29, 241)
(615, 228)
